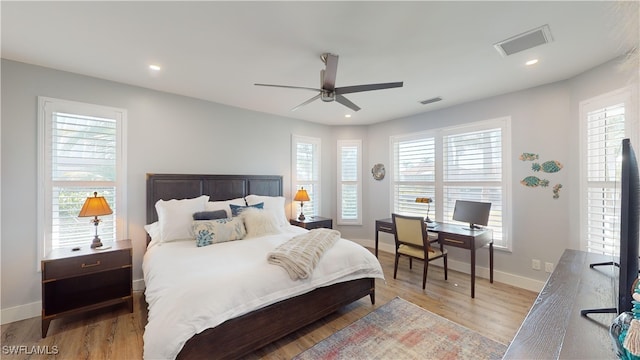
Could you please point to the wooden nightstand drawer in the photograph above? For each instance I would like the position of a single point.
(85, 279)
(86, 264)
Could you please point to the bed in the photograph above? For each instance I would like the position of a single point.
(252, 325)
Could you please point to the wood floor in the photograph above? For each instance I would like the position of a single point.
(113, 333)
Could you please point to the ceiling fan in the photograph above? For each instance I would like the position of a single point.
(329, 92)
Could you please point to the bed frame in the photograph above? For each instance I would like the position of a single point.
(247, 333)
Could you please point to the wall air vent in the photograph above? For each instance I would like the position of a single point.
(429, 101)
(524, 41)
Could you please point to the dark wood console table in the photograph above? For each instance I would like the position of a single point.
(453, 235)
(554, 328)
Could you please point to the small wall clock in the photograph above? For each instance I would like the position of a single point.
(378, 171)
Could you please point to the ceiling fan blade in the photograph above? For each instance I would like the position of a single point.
(344, 101)
(306, 102)
(329, 76)
(288, 87)
(368, 87)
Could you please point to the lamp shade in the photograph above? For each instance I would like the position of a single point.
(425, 200)
(95, 206)
(301, 195)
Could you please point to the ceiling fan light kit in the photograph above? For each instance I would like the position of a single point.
(328, 91)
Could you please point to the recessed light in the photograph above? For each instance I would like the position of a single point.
(154, 67)
(348, 116)
(531, 62)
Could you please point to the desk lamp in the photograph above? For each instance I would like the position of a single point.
(95, 206)
(428, 201)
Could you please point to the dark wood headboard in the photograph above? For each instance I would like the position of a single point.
(218, 187)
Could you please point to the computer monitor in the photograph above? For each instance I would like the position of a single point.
(473, 212)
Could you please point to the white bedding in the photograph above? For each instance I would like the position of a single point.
(190, 289)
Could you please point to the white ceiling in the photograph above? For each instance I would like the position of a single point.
(217, 50)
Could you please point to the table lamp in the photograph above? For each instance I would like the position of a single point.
(95, 206)
(428, 201)
(301, 196)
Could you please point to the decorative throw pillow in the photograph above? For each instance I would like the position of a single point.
(224, 205)
(207, 232)
(237, 209)
(259, 222)
(210, 215)
(175, 217)
(273, 204)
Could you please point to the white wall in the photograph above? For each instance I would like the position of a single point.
(175, 134)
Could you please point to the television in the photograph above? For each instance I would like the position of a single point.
(472, 212)
(629, 225)
(629, 232)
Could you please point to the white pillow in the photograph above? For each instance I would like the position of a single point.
(223, 205)
(153, 230)
(272, 204)
(259, 222)
(175, 217)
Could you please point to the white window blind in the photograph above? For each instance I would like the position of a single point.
(461, 163)
(306, 172)
(605, 131)
(349, 184)
(81, 152)
(414, 173)
(472, 170)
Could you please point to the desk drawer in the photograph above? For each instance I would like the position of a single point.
(464, 242)
(86, 264)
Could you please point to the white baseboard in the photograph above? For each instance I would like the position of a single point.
(463, 267)
(27, 311)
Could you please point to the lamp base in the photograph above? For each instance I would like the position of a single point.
(96, 242)
(301, 217)
(426, 219)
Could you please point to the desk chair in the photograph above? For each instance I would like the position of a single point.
(412, 240)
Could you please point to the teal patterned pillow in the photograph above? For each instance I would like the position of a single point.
(237, 209)
(216, 231)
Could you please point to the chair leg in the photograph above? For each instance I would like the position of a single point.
(424, 274)
(410, 263)
(395, 266)
(445, 266)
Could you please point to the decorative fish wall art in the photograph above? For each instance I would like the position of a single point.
(549, 167)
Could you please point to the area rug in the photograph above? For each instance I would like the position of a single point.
(402, 330)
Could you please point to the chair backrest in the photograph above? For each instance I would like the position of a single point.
(410, 230)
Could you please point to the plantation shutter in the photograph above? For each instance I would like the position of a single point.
(349, 185)
(472, 170)
(605, 131)
(82, 152)
(307, 172)
(414, 173)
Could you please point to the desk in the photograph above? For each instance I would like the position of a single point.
(554, 328)
(453, 235)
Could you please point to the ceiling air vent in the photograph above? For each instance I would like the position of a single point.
(429, 101)
(524, 41)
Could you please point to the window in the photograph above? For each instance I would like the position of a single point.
(306, 172)
(604, 122)
(349, 184)
(469, 162)
(81, 150)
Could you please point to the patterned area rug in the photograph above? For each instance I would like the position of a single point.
(402, 330)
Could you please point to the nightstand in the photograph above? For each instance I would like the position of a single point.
(313, 222)
(84, 280)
